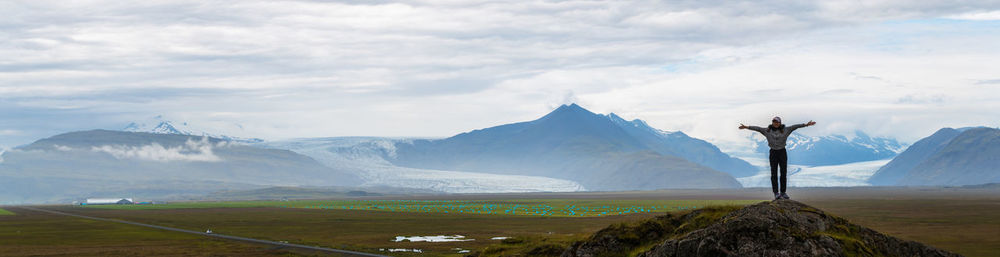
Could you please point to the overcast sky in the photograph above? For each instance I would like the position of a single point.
(275, 70)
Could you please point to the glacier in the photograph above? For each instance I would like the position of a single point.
(843, 175)
(364, 155)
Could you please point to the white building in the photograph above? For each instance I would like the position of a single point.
(96, 201)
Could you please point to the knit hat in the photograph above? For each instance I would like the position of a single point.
(778, 119)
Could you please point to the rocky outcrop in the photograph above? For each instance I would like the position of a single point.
(777, 228)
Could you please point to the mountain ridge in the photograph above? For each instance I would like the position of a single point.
(684, 146)
(117, 157)
(901, 165)
(951, 157)
(969, 158)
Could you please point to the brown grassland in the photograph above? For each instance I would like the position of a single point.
(33, 233)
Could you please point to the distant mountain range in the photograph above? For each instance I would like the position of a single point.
(601, 152)
(965, 156)
(568, 149)
(835, 149)
(82, 163)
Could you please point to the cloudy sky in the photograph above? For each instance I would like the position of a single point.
(282, 69)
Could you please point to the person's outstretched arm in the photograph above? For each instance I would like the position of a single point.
(754, 128)
(797, 126)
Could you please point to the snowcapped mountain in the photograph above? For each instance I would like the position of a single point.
(161, 125)
(835, 149)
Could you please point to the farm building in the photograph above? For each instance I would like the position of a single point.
(98, 201)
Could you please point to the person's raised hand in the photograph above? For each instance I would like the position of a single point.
(811, 123)
(743, 126)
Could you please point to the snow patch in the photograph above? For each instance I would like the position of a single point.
(432, 239)
(499, 238)
(392, 250)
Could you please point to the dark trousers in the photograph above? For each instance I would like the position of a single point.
(779, 159)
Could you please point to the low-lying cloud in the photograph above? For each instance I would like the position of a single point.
(191, 151)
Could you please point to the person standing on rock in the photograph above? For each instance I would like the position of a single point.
(777, 134)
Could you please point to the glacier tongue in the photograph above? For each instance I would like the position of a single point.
(364, 155)
(851, 174)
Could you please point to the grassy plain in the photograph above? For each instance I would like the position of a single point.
(372, 225)
(958, 220)
(5, 212)
(528, 207)
(970, 227)
(33, 233)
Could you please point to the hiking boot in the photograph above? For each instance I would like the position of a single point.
(777, 196)
(783, 196)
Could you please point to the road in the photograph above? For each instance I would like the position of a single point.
(236, 238)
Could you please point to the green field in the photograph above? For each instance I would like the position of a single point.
(5, 212)
(529, 207)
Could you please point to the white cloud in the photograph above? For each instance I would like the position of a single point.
(301, 68)
(977, 16)
(191, 151)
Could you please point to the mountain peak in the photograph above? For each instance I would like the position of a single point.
(573, 107)
(162, 127)
(166, 128)
(568, 111)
